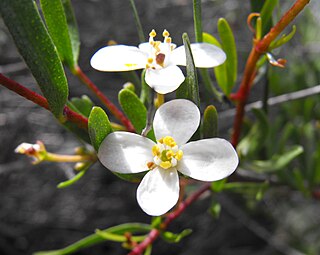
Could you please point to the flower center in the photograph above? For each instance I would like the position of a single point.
(166, 153)
(159, 54)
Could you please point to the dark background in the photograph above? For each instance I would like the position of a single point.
(35, 215)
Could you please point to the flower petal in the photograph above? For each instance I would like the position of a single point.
(118, 58)
(158, 191)
(205, 55)
(208, 160)
(178, 118)
(164, 80)
(126, 153)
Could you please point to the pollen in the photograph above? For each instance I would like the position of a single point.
(152, 33)
(165, 33)
(166, 153)
(168, 40)
(165, 164)
(150, 60)
(151, 165)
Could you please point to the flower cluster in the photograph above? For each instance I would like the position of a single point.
(174, 124)
(159, 58)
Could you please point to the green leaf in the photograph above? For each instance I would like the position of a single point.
(82, 105)
(229, 47)
(266, 15)
(220, 71)
(96, 238)
(145, 90)
(142, 38)
(37, 49)
(175, 238)
(197, 20)
(283, 40)
(256, 137)
(210, 122)
(251, 189)
(189, 89)
(99, 126)
(63, 30)
(76, 178)
(133, 108)
(277, 161)
(217, 186)
(215, 209)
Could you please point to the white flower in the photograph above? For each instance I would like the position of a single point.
(174, 124)
(159, 58)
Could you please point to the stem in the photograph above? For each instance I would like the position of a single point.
(137, 21)
(259, 48)
(154, 233)
(68, 158)
(16, 87)
(103, 98)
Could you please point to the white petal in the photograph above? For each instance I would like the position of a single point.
(205, 55)
(126, 153)
(119, 58)
(164, 80)
(208, 160)
(158, 191)
(178, 118)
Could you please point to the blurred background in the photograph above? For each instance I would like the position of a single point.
(35, 215)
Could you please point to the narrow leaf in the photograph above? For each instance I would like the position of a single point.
(266, 15)
(197, 19)
(284, 39)
(99, 126)
(229, 47)
(276, 163)
(37, 49)
(66, 41)
(175, 238)
(210, 122)
(133, 108)
(189, 89)
(82, 105)
(76, 178)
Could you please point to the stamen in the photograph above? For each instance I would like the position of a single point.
(168, 40)
(150, 60)
(165, 33)
(179, 155)
(165, 164)
(152, 33)
(151, 165)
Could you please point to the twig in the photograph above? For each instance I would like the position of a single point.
(72, 116)
(104, 99)
(275, 100)
(259, 48)
(154, 234)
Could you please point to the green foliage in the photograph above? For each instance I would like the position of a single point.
(175, 238)
(81, 105)
(266, 15)
(210, 122)
(63, 30)
(189, 89)
(37, 49)
(99, 126)
(133, 108)
(283, 40)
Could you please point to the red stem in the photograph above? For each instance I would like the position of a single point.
(259, 48)
(41, 101)
(154, 233)
(103, 98)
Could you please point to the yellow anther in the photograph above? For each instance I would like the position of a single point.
(150, 60)
(165, 164)
(151, 165)
(155, 150)
(179, 155)
(152, 33)
(160, 140)
(168, 140)
(165, 33)
(168, 40)
(148, 66)
(156, 46)
(169, 154)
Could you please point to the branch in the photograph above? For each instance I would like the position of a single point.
(16, 87)
(259, 48)
(154, 234)
(104, 99)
